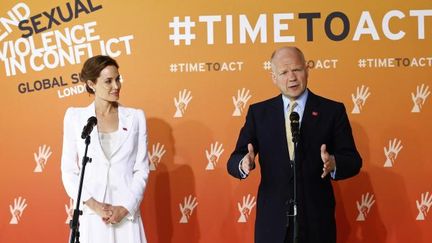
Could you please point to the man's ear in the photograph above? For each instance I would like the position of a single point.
(273, 77)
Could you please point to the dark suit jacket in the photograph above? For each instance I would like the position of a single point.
(324, 122)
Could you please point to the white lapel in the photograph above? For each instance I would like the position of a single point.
(124, 127)
(94, 135)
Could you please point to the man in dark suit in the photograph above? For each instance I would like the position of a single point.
(325, 151)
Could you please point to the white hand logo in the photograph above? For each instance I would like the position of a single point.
(365, 206)
(392, 152)
(424, 206)
(360, 99)
(69, 211)
(246, 208)
(182, 102)
(240, 102)
(17, 210)
(187, 208)
(213, 155)
(420, 97)
(156, 155)
(41, 158)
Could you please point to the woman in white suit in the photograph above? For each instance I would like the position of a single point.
(115, 180)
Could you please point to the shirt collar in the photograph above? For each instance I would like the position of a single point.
(301, 103)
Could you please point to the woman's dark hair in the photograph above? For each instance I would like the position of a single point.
(92, 68)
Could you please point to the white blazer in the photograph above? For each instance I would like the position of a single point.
(126, 173)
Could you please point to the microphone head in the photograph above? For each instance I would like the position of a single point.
(87, 129)
(294, 117)
(295, 126)
(92, 120)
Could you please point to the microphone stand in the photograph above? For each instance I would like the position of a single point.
(294, 199)
(74, 223)
(295, 222)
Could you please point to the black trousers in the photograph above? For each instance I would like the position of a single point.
(290, 232)
(289, 235)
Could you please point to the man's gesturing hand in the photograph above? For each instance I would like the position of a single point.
(248, 162)
(328, 160)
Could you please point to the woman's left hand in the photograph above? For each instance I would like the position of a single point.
(117, 213)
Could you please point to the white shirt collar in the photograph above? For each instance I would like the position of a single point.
(301, 103)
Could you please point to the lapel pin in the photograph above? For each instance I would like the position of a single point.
(124, 129)
(314, 113)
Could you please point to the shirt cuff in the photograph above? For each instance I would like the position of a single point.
(242, 173)
(333, 173)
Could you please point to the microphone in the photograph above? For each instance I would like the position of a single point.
(295, 126)
(88, 128)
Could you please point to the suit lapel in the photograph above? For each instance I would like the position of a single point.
(124, 127)
(89, 112)
(309, 123)
(94, 135)
(279, 119)
(278, 138)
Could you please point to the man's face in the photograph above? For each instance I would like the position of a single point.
(290, 73)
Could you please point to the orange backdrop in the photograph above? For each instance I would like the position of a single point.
(375, 59)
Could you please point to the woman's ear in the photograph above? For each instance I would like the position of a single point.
(91, 85)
